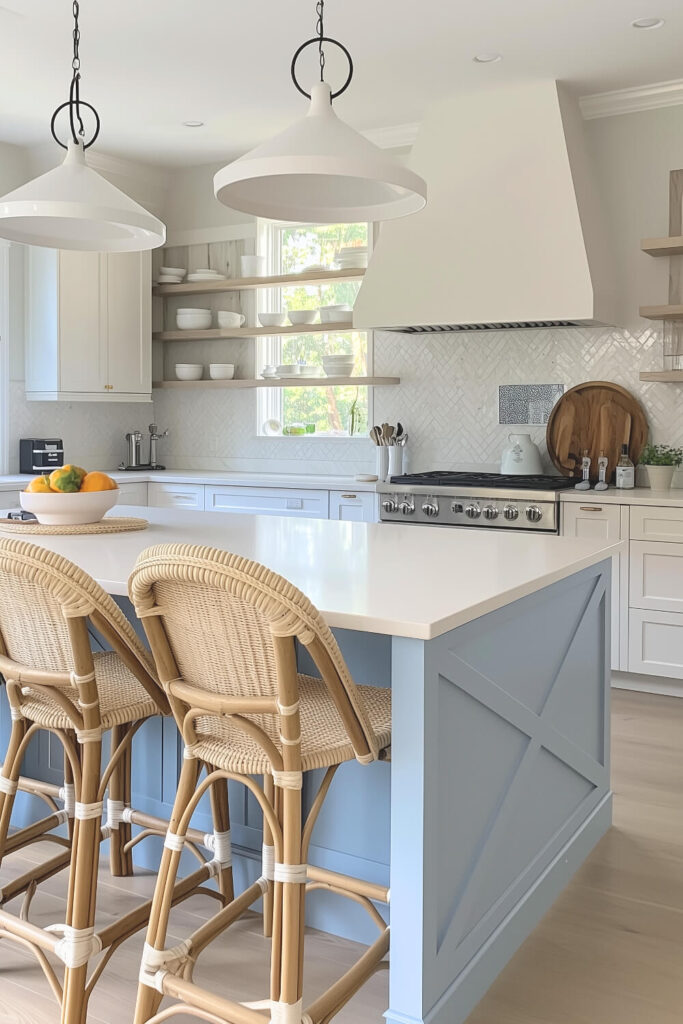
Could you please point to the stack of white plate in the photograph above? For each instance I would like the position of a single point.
(171, 275)
(310, 370)
(338, 365)
(206, 275)
(193, 319)
(352, 257)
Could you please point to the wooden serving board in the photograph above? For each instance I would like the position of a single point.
(598, 416)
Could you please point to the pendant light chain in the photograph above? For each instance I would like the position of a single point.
(75, 103)
(320, 29)
(318, 40)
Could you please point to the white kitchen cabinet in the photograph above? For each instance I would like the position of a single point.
(657, 523)
(656, 643)
(268, 501)
(176, 495)
(354, 506)
(656, 576)
(9, 500)
(605, 522)
(89, 326)
(133, 493)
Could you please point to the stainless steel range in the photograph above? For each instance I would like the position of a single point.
(475, 499)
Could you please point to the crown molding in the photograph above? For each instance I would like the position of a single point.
(399, 136)
(630, 101)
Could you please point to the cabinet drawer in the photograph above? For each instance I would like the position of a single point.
(353, 506)
(656, 576)
(133, 493)
(176, 495)
(591, 519)
(268, 501)
(656, 643)
(649, 522)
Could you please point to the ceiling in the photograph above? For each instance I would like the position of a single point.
(149, 65)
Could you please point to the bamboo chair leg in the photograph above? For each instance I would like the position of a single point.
(268, 789)
(148, 999)
(220, 810)
(82, 883)
(69, 781)
(120, 859)
(10, 770)
(293, 896)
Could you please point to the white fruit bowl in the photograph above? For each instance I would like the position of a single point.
(69, 509)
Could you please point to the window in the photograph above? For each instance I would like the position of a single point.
(339, 411)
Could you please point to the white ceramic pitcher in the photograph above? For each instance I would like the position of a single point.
(522, 457)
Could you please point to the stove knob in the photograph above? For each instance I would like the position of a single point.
(456, 508)
(431, 509)
(510, 512)
(389, 505)
(534, 514)
(407, 508)
(490, 512)
(472, 511)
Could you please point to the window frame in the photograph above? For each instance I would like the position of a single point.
(5, 342)
(268, 348)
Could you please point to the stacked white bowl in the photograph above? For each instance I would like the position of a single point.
(338, 365)
(193, 319)
(341, 314)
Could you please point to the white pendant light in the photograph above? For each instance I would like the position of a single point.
(72, 206)
(319, 169)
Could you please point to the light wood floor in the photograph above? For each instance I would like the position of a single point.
(609, 952)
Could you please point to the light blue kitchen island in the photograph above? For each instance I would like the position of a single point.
(496, 648)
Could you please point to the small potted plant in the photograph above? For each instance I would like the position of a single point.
(661, 462)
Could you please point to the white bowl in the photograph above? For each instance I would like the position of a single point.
(173, 271)
(189, 371)
(226, 318)
(221, 371)
(192, 310)
(252, 266)
(272, 319)
(194, 321)
(169, 279)
(336, 314)
(69, 509)
(287, 370)
(338, 369)
(302, 316)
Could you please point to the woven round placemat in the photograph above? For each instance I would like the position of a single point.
(110, 525)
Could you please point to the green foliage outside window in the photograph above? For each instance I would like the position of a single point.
(333, 410)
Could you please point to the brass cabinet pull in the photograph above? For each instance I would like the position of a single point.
(349, 495)
(591, 508)
(108, 387)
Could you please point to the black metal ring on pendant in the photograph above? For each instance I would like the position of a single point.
(81, 103)
(318, 40)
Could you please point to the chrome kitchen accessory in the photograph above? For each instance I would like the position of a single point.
(134, 439)
(40, 454)
(155, 436)
(493, 500)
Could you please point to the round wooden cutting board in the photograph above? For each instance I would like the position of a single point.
(598, 416)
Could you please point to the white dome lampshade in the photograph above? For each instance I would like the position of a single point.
(74, 207)
(321, 171)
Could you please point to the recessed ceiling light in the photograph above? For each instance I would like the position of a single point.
(647, 23)
(487, 58)
(193, 124)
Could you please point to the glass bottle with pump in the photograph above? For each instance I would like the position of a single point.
(625, 477)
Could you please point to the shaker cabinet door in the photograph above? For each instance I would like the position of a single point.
(129, 323)
(82, 322)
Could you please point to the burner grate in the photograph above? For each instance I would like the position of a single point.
(442, 478)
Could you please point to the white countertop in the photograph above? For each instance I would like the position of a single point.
(206, 476)
(411, 581)
(635, 496)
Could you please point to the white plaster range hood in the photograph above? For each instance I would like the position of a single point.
(511, 236)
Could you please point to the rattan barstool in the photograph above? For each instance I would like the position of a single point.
(222, 631)
(56, 683)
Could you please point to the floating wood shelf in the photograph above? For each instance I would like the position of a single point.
(283, 382)
(662, 312)
(672, 246)
(663, 376)
(239, 284)
(250, 332)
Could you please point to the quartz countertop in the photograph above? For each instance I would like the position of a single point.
(411, 581)
(205, 476)
(634, 496)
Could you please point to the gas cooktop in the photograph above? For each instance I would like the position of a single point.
(509, 481)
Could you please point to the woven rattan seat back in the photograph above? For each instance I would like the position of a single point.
(223, 618)
(39, 592)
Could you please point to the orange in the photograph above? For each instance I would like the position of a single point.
(67, 479)
(39, 485)
(96, 481)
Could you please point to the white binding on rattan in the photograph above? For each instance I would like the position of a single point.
(16, 713)
(174, 842)
(8, 786)
(89, 678)
(89, 735)
(155, 963)
(62, 817)
(187, 754)
(262, 883)
(67, 793)
(288, 709)
(85, 812)
(220, 843)
(288, 780)
(296, 873)
(268, 862)
(118, 813)
(77, 945)
(290, 743)
(281, 1013)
